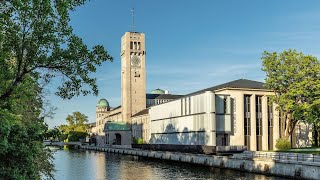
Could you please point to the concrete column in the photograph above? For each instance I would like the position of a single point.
(239, 118)
(253, 137)
(276, 129)
(210, 118)
(265, 123)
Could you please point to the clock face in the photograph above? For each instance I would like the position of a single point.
(135, 60)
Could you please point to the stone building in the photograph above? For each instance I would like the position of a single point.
(236, 113)
(233, 113)
(114, 125)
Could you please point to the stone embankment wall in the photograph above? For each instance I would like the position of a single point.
(292, 169)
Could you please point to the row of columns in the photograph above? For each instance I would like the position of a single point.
(253, 137)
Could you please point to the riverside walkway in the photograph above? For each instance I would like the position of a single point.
(280, 156)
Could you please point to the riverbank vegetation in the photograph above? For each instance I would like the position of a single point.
(77, 127)
(37, 44)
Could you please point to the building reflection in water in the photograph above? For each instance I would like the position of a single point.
(93, 165)
(100, 165)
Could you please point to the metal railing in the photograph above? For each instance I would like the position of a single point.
(280, 156)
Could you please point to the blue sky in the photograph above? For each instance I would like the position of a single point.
(190, 44)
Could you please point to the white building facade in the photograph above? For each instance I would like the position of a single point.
(236, 113)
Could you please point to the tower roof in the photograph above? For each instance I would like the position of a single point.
(103, 103)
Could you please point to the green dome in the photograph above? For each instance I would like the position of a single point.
(103, 103)
(158, 91)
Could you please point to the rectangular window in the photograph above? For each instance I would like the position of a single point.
(247, 121)
(189, 105)
(270, 125)
(139, 47)
(185, 106)
(259, 122)
(181, 107)
(225, 104)
(131, 45)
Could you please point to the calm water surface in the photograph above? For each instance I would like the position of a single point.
(87, 165)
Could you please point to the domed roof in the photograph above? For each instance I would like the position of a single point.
(158, 91)
(103, 103)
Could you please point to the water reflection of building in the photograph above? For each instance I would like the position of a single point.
(100, 167)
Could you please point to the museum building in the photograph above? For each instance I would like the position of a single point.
(236, 113)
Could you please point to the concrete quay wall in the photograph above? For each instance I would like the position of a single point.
(299, 170)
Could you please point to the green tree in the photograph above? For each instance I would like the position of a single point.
(37, 44)
(53, 134)
(294, 78)
(35, 36)
(77, 118)
(22, 155)
(76, 128)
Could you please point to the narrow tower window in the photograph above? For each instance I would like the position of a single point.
(135, 45)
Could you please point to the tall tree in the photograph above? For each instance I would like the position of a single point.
(294, 78)
(37, 44)
(77, 118)
(35, 36)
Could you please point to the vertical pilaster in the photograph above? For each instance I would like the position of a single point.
(210, 118)
(276, 129)
(239, 118)
(253, 137)
(264, 123)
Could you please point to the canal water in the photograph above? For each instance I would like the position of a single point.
(92, 165)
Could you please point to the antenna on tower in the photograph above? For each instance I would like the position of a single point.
(132, 25)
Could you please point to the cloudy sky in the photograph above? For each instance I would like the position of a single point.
(190, 44)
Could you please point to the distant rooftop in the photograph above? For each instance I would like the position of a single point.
(116, 126)
(158, 91)
(163, 96)
(145, 111)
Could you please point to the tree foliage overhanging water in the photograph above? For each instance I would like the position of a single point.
(38, 44)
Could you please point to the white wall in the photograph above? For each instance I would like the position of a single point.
(190, 120)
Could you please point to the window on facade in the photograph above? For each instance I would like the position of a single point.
(134, 45)
(189, 105)
(131, 45)
(181, 107)
(259, 115)
(139, 46)
(225, 104)
(259, 122)
(185, 106)
(247, 121)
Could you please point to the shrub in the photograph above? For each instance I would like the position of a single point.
(76, 135)
(137, 141)
(140, 141)
(283, 144)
